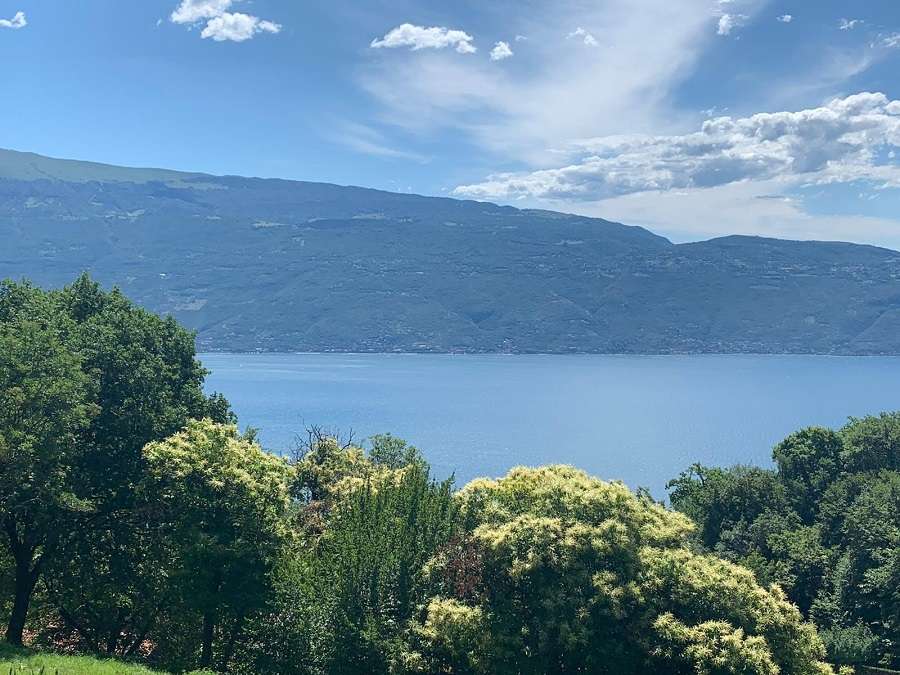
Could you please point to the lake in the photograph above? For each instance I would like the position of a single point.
(641, 419)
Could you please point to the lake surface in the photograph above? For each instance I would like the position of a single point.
(641, 419)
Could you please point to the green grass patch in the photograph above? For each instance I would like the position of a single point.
(14, 661)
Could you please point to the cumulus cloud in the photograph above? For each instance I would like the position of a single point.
(237, 27)
(18, 21)
(586, 37)
(192, 11)
(420, 37)
(786, 18)
(844, 141)
(501, 51)
(849, 24)
(220, 24)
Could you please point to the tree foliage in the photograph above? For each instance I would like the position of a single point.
(86, 380)
(45, 408)
(138, 522)
(369, 523)
(223, 504)
(572, 574)
(826, 528)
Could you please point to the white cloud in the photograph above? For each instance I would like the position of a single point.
(419, 37)
(849, 24)
(728, 22)
(237, 27)
(786, 18)
(586, 37)
(891, 41)
(192, 11)
(221, 25)
(524, 113)
(501, 51)
(18, 21)
(836, 143)
(764, 208)
(521, 38)
(714, 111)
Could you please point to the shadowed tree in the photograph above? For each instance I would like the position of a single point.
(44, 410)
(103, 377)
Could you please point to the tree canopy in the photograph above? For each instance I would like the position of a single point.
(824, 525)
(138, 522)
(86, 380)
(561, 572)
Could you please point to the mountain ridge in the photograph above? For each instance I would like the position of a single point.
(273, 264)
(5, 152)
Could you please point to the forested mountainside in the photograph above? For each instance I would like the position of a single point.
(265, 264)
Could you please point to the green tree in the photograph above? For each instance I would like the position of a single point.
(393, 453)
(45, 406)
(826, 529)
(872, 443)
(724, 502)
(808, 462)
(562, 572)
(225, 505)
(345, 596)
(372, 555)
(137, 376)
(860, 597)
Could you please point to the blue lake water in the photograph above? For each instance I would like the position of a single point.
(641, 419)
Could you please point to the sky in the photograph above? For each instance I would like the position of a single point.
(695, 118)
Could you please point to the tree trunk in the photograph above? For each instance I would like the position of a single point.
(209, 627)
(27, 572)
(24, 586)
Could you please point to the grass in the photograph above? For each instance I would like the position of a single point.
(15, 661)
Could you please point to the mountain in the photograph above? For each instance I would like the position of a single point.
(284, 265)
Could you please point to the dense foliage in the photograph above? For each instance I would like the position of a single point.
(138, 523)
(556, 571)
(86, 379)
(824, 525)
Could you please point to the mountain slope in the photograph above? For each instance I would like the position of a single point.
(284, 265)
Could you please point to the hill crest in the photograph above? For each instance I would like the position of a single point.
(271, 264)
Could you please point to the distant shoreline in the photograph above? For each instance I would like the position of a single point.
(275, 352)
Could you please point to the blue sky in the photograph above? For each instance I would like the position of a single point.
(694, 118)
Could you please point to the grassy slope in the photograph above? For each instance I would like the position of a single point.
(25, 662)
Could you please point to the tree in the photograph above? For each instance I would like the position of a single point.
(150, 383)
(393, 453)
(224, 505)
(808, 462)
(860, 597)
(724, 501)
(824, 526)
(45, 406)
(372, 556)
(348, 591)
(572, 574)
(135, 377)
(872, 443)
